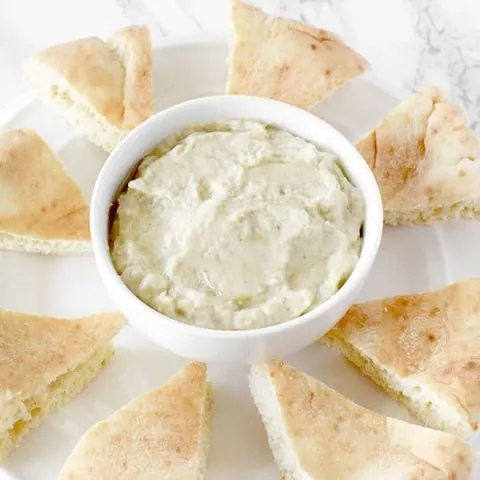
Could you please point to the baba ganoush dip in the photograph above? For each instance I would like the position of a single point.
(238, 226)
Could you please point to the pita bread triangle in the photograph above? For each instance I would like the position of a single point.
(287, 60)
(316, 433)
(41, 207)
(44, 362)
(162, 434)
(423, 157)
(105, 88)
(422, 349)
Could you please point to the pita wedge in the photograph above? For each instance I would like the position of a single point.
(317, 434)
(287, 60)
(163, 434)
(423, 350)
(44, 362)
(104, 88)
(423, 157)
(41, 208)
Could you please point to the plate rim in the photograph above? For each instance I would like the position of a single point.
(13, 108)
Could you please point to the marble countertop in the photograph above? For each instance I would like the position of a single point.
(409, 43)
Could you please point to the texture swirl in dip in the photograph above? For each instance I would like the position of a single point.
(237, 225)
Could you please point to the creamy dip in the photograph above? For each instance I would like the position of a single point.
(238, 226)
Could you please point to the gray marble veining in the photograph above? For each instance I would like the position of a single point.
(409, 43)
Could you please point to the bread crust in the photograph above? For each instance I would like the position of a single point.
(287, 60)
(331, 437)
(104, 87)
(38, 199)
(423, 157)
(45, 361)
(429, 339)
(161, 434)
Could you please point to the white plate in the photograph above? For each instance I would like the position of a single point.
(410, 259)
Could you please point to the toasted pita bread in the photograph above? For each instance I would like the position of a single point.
(41, 207)
(422, 349)
(162, 434)
(44, 362)
(105, 88)
(316, 433)
(287, 60)
(423, 157)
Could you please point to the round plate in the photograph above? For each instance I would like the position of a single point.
(410, 260)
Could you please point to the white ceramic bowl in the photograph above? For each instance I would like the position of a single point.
(246, 346)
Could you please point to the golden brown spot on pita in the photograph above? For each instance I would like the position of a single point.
(284, 68)
(462, 173)
(470, 365)
(434, 311)
(313, 46)
(430, 337)
(328, 72)
(434, 131)
(403, 302)
(421, 146)
(452, 476)
(389, 150)
(409, 172)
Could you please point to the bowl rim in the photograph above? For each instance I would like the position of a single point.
(99, 222)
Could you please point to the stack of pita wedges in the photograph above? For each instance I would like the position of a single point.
(163, 434)
(422, 349)
(287, 60)
(317, 434)
(41, 208)
(424, 156)
(105, 89)
(44, 362)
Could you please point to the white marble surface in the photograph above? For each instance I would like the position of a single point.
(409, 43)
